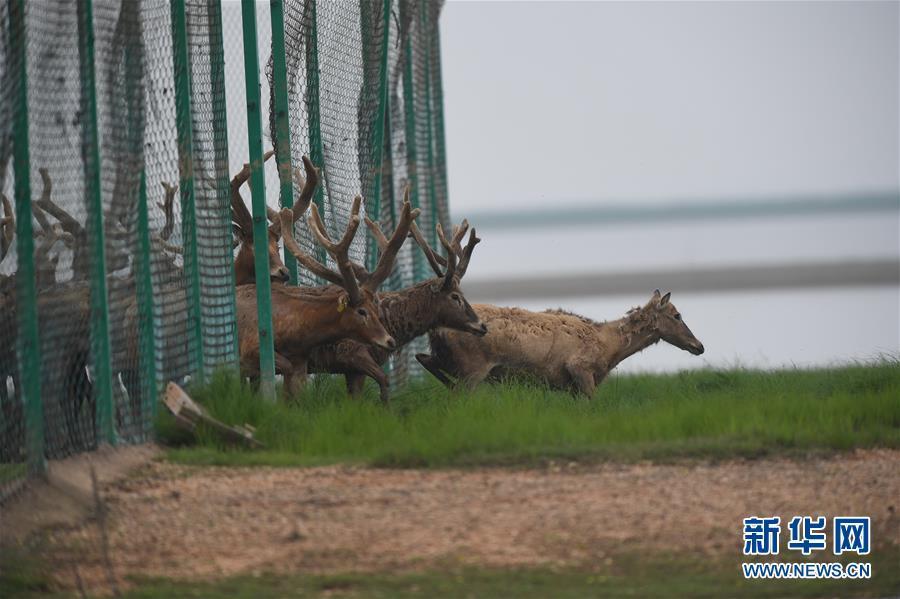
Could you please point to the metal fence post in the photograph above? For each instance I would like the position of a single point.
(258, 191)
(100, 344)
(437, 97)
(145, 311)
(316, 151)
(373, 203)
(282, 125)
(432, 190)
(409, 111)
(184, 122)
(27, 339)
(220, 140)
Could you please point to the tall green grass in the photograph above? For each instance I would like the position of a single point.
(696, 413)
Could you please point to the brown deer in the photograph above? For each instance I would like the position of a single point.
(305, 317)
(63, 313)
(565, 350)
(408, 313)
(244, 270)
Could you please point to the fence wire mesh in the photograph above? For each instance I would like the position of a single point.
(366, 111)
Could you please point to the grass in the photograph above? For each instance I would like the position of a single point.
(714, 414)
(626, 575)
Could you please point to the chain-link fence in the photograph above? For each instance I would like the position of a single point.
(116, 250)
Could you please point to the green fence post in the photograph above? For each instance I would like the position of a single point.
(282, 125)
(145, 311)
(27, 339)
(258, 191)
(184, 124)
(438, 101)
(220, 139)
(316, 152)
(409, 111)
(373, 203)
(432, 190)
(100, 344)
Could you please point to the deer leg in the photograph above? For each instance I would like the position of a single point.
(298, 378)
(430, 363)
(354, 382)
(366, 366)
(600, 376)
(474, 375)
(284, 366)
(582, 380)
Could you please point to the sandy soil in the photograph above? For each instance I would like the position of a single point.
(188, 522)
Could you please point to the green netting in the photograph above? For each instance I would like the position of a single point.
(152, 192)
(412, 131)
(13, 453)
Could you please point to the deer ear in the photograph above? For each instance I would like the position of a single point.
(655, 297)
(343, 302)
(665, 299)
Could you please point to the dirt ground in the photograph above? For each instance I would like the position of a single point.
(201, 523)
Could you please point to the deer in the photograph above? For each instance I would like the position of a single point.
(242, 225)
(306, 317)
(408, 313)
(565, 350)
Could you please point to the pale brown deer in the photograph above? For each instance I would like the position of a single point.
(408, 313)
(244, 269)
(305, 317)
(564, 350)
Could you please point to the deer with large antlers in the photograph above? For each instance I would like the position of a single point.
(564, 350)
(408, 313)
(305, 317)
(244, 270)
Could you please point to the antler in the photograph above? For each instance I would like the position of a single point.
(339, 251)
(466, 254)
(68, 222)
(168, 208)
(239, 213)
(286, 218)
(7, 226)
(389, 249)
(307, 187)
(457, 260)
(452, 256)
(39, 215)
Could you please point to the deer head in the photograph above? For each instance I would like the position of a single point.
(452, 308)
(669, 325)
(242, 224)
(357, 305)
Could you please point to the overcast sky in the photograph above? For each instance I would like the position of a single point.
(607, 101)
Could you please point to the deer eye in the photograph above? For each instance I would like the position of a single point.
(677, 316)
(454, 297)
(362, 313)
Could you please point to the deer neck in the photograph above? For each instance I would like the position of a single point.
(410, 312)
(632, 335)
(301, 310)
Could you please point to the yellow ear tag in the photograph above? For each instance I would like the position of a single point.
(342, 303)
